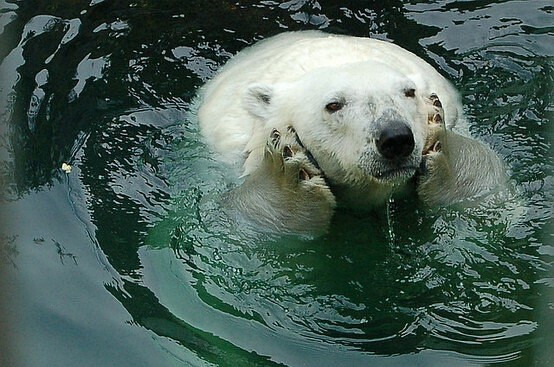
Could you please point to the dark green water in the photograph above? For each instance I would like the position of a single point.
(126, 262)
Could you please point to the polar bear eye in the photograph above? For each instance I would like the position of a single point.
(333, 107)
(410, 92)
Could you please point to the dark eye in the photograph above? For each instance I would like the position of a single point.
(410, 92)
(333, 107)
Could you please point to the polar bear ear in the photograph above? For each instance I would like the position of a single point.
(257, 99)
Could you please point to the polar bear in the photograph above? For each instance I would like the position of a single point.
(316, 120)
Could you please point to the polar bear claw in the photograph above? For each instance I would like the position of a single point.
(286, 155)
(435, 121)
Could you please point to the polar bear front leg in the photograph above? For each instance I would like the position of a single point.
(287, 192)
(455, 167)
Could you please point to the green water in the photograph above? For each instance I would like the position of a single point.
(127, 261)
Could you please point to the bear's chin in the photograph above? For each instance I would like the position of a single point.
(395, 176)
(387, 173)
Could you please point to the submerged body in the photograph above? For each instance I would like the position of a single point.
(359, 117)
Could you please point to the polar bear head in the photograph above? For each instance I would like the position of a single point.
(364, 123)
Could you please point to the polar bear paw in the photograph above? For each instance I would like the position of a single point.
(288, 191)
(291, 160)
(455, 167)
(435, 120)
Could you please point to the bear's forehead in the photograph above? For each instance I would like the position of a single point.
(357, 79)
(364, 70)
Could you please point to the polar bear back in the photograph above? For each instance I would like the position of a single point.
(286, 58)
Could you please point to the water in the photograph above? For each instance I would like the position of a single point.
(127, 261)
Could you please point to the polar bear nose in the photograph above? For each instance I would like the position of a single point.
(396, 141)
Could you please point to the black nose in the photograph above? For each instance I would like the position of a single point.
(396, 141)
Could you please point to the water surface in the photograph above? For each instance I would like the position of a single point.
(126, 261)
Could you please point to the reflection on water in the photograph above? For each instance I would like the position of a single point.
(128, 261)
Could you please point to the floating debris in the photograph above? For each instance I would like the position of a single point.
(66, 168)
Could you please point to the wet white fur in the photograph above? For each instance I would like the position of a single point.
(288, 80)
